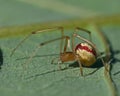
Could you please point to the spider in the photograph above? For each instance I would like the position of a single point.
(85, 53)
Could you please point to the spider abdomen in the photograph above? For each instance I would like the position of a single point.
(86, 54)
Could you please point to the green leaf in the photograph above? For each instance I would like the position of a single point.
(40, 77)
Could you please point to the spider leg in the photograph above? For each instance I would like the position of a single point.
(79, 29)
(105, 64)
(43, 44)
(37, 32)
(107, 60)
(66, 46)
(82, 38)
(80, 65)
(53, 60)
(89, 42)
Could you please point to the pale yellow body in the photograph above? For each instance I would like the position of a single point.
(86, 58)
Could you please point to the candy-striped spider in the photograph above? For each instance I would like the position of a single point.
(85, 53)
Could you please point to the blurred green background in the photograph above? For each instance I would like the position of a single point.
(41, 79)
